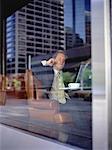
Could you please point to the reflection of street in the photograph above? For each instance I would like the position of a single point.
(15, 113)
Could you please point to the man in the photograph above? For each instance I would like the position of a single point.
(50, 82)
(50, 76)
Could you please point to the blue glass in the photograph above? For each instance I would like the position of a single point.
(74, 16)
(79, 24)
(68, 13)
(11, 17)
(10, 34)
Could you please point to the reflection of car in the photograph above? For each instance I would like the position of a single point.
(84, 79)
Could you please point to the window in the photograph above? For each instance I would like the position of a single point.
(30, 44)
(46, 10)
(38, 8)
(38, 3)
(30, 33)
(38, 13)
(55, 100)
(21, 15)
(38, 45)
(30, 28)
(21, 59)
(30, 17)
(38, 40)
(30, 12)
(30, 23)
(30, 6)
(21, 70)
(21, 65)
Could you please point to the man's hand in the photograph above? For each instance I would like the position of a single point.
(50, 62)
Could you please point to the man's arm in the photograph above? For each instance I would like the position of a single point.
(43, 71)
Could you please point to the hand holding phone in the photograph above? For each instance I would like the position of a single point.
(51, 62)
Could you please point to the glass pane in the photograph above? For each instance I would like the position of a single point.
(47, 89)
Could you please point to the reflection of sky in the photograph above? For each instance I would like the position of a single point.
(68, 13)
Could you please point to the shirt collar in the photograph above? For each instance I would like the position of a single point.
(56, 71)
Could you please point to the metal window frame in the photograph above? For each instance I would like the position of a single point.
(102, 75)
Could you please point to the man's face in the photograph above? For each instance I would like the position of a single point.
(59, 61)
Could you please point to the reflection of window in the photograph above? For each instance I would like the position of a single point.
(21, 20)
(54, 42)
(30, 49)
(54, 32)
(46, 10)
(53, 7)
(21, 59)
(10, 34)
(38, 24)
(10, 23)
(11, 39)
(46, 36)
(47, 25)
(61, 48)
(46, 5)
(30, 17)
(21, 65)
(54, 27)
(38, 29)
(30, 33)
(30, 6)
(21, 15)
(84, 76)
(22, 10)
(38, 34)
(30, 38)
(46, 31)
(39, 4)
(38, 45)
(10, 45)
(46, 46)
(11, 50)
(38, 8)
(38, 40)
(30, 12)
(20, 37)
(54, 37)
(46, 41)
(10, 28)
(21, 32)
(46, 20)
(54, 12)
(38, 19)
(30, 28)
(21, 26)
(30, 44)
(21, 70)
(47, 16)
(21, 43)
(11, 17)
(11, 60)
(30, 22)
(38, 13)
(9, 55)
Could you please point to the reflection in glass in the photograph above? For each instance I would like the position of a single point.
(50, 94)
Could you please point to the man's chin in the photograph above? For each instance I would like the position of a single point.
(61, 67)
